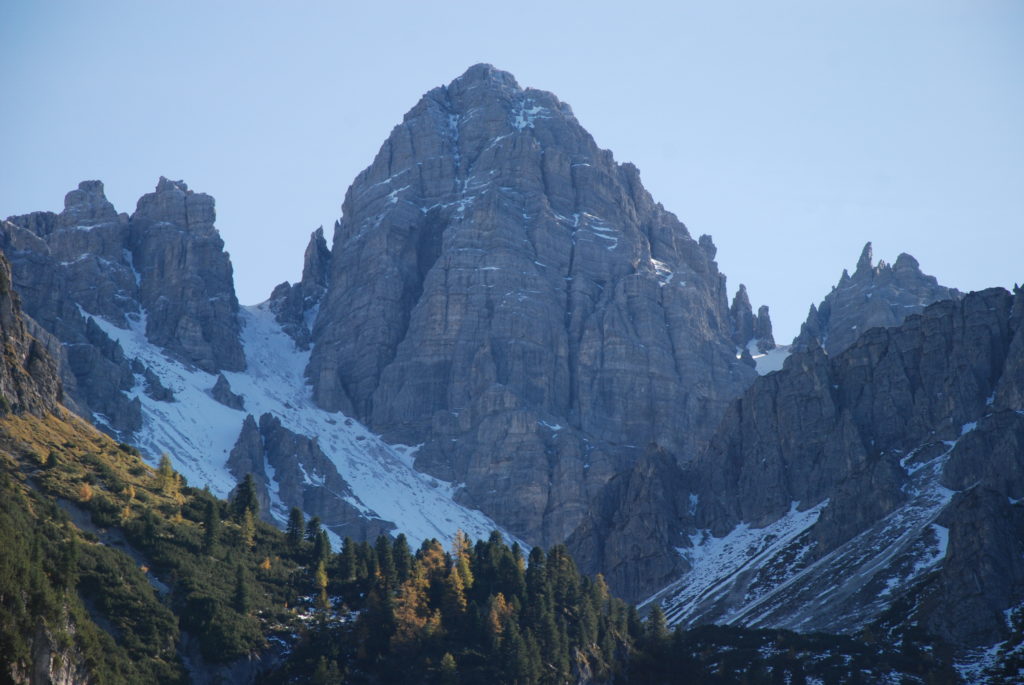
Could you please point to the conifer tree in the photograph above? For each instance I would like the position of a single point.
(242, 600)
(246, 498)
(320, 581)
(448, 671)
(313, 529)
(462, 550)
(453, 601)
(347, 560)
(402, 556)
(321, 548)
(248, 529)
(656, 631)
(386, 561)
(165, 474)
(211, 526)
(296, 527)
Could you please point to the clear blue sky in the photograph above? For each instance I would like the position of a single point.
(792, 132)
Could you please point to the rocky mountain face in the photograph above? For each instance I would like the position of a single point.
(749, 331)
(164, 265)
(880, 485)
(295, 306)
(879, 295)
(561, 353)
(29, 379)
(505, 294)
(303, 476)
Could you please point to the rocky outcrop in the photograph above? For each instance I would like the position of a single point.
(185, 278)
(63, 264)
(294, 306)
(53, 661)
(763, 330)
(748, 329)
(29, 380)
(631, 533)
(503, 292)
(165, 263)
(290, 470)
(912, 446)
(796, 435)
(881, 295)
(221, 391)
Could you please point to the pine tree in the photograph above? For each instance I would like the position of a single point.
(165, 475)
(461, 552)
(211, 527)
(313, 529)
(248, 529)
(402, 556)
(448, 672)
(246, 498)
(321, 548)
(296, 526)
(453, 600)
(320, 581)
(656, 631)
(242, 600)
(66, 576)
(348, 560)
(386, 561)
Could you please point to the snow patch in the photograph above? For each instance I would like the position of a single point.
(198, 433)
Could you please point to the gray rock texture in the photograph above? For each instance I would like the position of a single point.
(29, 378)
(165, 262)
(747, 328)
(185, 278)
(294, 306)
(303, 477)
(797, 435)
(221, 391)
(862, 429)
(502, 291)
(880, 295)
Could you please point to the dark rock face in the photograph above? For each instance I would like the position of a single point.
(882, 295)
(746, 327)
(165, 261)
(631, 532)
(29, 380)
(940, 393)
(505, 293)
(302, 477)
(796, 435)
(763, 330)
(295, 305)
(221, 392)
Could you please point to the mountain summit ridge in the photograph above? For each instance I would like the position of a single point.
(499, 286)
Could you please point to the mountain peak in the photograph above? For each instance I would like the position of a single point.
(87, 206)
(876, 295)
(864, 263)
(483, 73)
(166, 184)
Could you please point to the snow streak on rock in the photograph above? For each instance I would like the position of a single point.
(198, 432)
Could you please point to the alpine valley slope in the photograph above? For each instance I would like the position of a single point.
(507, 331)
(876, 490)
(500, 293)
(157, 369)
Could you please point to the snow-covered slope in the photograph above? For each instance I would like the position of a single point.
(776, 577)
(198, 433)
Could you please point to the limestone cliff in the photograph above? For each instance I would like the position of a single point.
(504, 292)
(875, 295)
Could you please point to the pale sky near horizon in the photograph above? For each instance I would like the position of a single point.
(792, 132)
